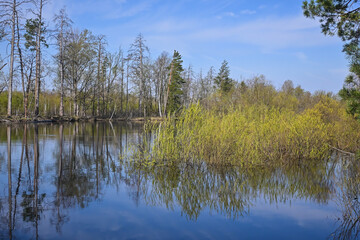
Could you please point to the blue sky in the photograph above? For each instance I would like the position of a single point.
(269, 37)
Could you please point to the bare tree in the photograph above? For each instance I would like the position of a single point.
(101, 42)
(161, 72)
(80, 57)
(188, 76)
(62, 24)
(205, 84)
(39, 15)
(8, 19)
(115, 73)
(25, 84)
(138, 55)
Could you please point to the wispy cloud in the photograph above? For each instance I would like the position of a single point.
(301, 56)
(247, 12)
(272, 33)
(226, 14)
(234, 15)
(129, 11)
(171, 26)
(108, 9)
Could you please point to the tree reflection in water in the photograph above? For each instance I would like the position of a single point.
(348, 201)
(54, 169)
(230, 191)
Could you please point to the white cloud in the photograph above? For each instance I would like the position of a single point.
(226, 14)
(247, 12)
(230, 14)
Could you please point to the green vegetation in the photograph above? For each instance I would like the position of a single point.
(255, 124)
(223, 80)
(30, 36)
(342, 17)
(229, 191)
(176, 83)
(351, 91)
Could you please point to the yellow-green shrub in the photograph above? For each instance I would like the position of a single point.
(256, 134)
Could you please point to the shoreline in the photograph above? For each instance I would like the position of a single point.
(57, 119)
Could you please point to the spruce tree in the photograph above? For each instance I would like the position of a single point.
(222, 80)
(176, 82)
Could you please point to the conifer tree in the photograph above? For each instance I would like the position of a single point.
(223, 80)
(176, 82)
(351, 90)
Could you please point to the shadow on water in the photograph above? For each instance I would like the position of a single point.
(47, 171)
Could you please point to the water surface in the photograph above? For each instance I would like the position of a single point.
(78, 181)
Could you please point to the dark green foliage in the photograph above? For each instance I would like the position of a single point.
(222, 80)
(342, 17)
(31, 33)
(176, 84)
(351, 91)
(336, 16)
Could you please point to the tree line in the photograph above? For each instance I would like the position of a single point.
(88, 79)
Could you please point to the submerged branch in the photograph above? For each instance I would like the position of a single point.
(342, 151)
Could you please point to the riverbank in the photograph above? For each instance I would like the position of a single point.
(58, 119)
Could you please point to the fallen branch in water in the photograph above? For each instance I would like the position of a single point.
(342, 151)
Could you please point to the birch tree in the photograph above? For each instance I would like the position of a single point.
(24, 59)
(62, 24)
(40, 30)
(80, 59)
(115, 75)
(139, 55)
(101, 42)
(161, 73)
(8, 19)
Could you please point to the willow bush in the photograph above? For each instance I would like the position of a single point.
(255, 134)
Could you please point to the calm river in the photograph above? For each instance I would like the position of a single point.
(78, 181)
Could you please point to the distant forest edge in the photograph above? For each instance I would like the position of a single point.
(91, 81)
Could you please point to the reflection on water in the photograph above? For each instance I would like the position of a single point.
(348, 201)
(56, 179)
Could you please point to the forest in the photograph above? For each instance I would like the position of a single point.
(87, 80)
(92, 82)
